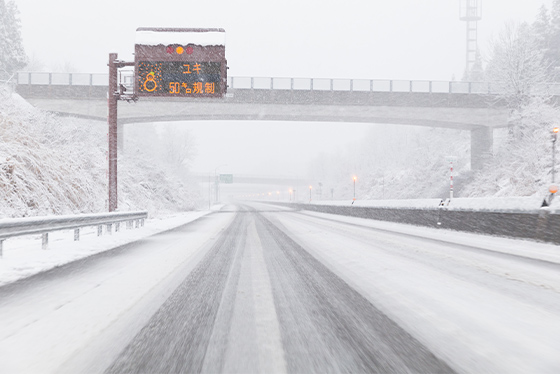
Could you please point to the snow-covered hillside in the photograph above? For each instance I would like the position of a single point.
(406, 162)
(52, 165)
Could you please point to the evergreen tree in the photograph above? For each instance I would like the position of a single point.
(518, 70)
(553, 51)
(476, 74)
(542, 31)
(12, 54)
(517, 64)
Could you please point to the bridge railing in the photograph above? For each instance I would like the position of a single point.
(62, 79)
(301, 84)
(378, 85)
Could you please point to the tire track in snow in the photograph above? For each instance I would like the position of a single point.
(326, 325)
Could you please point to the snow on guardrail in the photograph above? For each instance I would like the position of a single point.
(12, 227)
(490, 204)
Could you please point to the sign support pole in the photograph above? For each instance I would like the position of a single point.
(112, 100)
(451, 182)
(148, 72)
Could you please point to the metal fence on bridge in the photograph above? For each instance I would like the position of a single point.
(301, 84)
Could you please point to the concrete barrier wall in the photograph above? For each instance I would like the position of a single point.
(538, 225)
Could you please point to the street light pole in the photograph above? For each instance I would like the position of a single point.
(553, 187)
(217, 182)
(554, 136)
(310, 193)
(354, 188)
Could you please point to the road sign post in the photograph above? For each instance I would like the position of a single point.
(188, 63)
(113, 96)
(226, 178)
(112, 103)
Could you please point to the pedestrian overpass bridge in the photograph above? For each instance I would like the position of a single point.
(455, 105)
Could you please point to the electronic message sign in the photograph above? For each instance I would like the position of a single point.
(180, 63)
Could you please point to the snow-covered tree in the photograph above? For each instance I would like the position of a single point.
(542, 28)
(521, 65)
(12, 53)
(179, 146)
(553, 33)
(171, 145)
(476, 73)
(519, 69)
(521, 165)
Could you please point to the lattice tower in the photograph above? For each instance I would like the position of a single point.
(471, 13)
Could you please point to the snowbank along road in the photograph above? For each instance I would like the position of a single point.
(256, 288)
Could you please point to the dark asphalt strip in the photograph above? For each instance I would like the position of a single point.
(176, 338)
(326, 325)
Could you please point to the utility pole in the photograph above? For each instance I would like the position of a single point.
(112, 102)
(113, 97)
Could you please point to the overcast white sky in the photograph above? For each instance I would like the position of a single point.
(371, 39)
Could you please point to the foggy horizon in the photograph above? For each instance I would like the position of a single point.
(389, 40)
(397, 40)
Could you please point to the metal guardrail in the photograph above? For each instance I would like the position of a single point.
(295, 84)
(43, 225)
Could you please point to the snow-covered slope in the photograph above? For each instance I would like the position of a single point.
(52, 165)
(406, 162)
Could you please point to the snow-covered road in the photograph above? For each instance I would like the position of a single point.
(258, 288)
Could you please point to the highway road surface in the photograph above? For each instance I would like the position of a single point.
(256, 288)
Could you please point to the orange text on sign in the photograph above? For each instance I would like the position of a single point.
(187, 69)
(197, 88)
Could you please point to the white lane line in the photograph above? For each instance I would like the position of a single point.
(271, 352)
(246, 334)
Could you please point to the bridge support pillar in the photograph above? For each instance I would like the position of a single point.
(482, 141)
